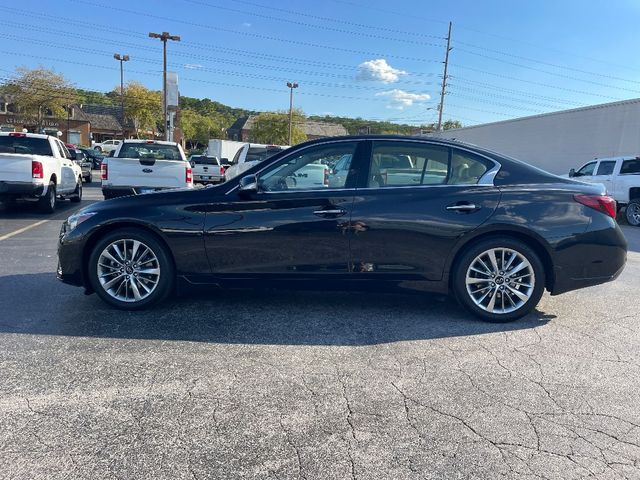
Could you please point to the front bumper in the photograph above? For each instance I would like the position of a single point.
(21, 189)
(70, 261)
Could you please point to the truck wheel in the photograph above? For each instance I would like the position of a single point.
(633, 213)
(77, 194)
(499, 279)
(47, 204)
(131, 269)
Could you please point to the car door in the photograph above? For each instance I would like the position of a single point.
(604, 174)
(406, 220)
(290, 227)
(585, 173)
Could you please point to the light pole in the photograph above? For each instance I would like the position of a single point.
(164, 36)
(121, 59)
(291, 86)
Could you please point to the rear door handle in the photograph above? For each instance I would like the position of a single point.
(334, 212)
(463, 207)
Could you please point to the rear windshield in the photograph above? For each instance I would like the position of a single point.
(205, 160)
(26, 145)
(150, 150)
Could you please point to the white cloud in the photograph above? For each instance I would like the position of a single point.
(401, 99)
(246, 24)
(192, 66)
(379, 70)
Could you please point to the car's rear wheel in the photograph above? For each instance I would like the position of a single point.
(499, 279)
(47, 203)
(77, 194)
(131, 269)
(633, 213)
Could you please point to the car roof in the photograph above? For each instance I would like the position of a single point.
(155, 142)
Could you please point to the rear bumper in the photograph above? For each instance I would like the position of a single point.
(21, 189)
(598, 256)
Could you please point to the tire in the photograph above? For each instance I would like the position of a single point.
(77, 194)
(98, 149)
(47, 204)
(632, 213)
(107, 276)
(90, 178)
(476, 288)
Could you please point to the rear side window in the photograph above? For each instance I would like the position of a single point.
(399, 164)
(466, 168)
(150, 150)
(630, 167)
(25, 145)
(606, 168)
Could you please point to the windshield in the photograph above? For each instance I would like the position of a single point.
(25, 145)
(150, 150)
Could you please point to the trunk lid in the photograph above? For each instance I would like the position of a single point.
(143, 172)
(15, 167)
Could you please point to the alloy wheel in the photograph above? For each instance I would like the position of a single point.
(128, 270)
(633, 214)
(500, 280)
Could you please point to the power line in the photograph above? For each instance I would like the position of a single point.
(506, 97)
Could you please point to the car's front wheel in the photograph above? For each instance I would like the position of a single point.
(131, 269)
(633, 213)
(499, 279)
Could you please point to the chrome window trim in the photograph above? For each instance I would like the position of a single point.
(484, 181)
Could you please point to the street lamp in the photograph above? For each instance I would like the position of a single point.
(164, 36)
(291, 86)
(121, 59)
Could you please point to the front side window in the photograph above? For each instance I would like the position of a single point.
(308, 170)
(587, 170)
(630, 167)
(399, 164)
(606, 168)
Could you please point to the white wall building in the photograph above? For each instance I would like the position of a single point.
(562, 140)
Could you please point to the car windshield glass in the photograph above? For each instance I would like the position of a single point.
(26, 145)
(205, 160)
(150, 150)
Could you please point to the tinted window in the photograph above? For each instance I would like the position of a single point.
(260, 153)
(308, 170)
(587, 170)
(395, 164)
(466, 168)
(150, 150)
(25, 145)
(606, 168)
(630, 167)
(204, 160)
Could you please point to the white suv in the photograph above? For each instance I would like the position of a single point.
(107, 146)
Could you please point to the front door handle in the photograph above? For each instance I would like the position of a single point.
(333, 212)
(462, 207)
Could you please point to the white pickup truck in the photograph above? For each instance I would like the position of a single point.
(143, 166)
(37, 167)
(621, 178)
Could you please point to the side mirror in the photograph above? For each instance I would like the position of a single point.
(572, 173)
(249, 185)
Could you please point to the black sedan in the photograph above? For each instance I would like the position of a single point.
(420, 214)
(95, 156)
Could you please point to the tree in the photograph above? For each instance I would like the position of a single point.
(142, 106)
(198, 129)
(273, 128)
(451, 124)
(40, 92)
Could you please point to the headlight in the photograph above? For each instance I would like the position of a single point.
(74, 220)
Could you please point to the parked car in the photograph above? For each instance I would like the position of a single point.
(496, 242)
(143, 166)
(621, 178)
(107, 146)
(85, 163)
(93, 155)
(206, 169)
(38, 168)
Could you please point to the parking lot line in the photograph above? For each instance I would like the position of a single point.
(22, 230)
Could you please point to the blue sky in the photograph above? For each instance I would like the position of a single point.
(360, 58)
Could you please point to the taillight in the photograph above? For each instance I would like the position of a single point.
(326, 177)
(188, 176)
(17, 134)
(221, 171)
(36, 170)
(104, 171)
(602, 203)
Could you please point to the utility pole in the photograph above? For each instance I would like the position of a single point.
(121, 59)
(291, 86)
(164, 36)
(444, 80)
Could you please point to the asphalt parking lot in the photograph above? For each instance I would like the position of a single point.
(309, 385)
